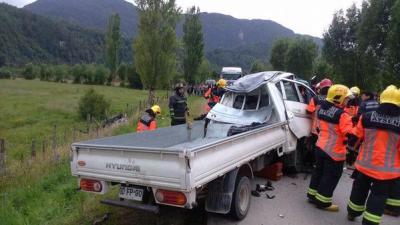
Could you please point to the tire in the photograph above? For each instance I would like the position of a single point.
(241, 198)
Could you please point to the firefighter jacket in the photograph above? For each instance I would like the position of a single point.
(178, 107)
(352, 107)
(379, 155)
(147, 122)
(367, 106)
(312, 108)
(213, 95)
(333, 124)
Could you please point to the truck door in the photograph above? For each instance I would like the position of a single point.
(296, 97)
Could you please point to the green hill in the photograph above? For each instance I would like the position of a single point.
(26, 37)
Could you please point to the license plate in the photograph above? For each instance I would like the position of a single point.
(131, 193)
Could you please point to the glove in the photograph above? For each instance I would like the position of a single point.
(351, 156)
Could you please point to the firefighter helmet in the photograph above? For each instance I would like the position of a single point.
(390, 95)
(156, 109)
(355, 90)
(325, 83)
(338, 93)
(221, 83)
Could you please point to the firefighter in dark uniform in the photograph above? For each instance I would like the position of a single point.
(333, 126)
(178, 106)
(378, 163)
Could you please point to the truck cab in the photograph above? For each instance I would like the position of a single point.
(231, 74)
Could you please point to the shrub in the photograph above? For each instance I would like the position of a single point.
(78, 74)
(60, 73)
(5, 73)
(122, 72)
(45, 72)
(93, 104)
(29, 72)
(134, 78)
(101, 75)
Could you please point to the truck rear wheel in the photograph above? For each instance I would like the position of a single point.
(241, 198)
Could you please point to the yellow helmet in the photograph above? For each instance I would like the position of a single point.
(390, 95)
(338, 93)
(221, 83)
(156, 109)
(355, 90)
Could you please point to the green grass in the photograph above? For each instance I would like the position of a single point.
(40, 191)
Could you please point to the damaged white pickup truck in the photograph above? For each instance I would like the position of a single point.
(261, 118)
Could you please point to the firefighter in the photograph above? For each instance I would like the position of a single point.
(353, 103)
(312, 109)
(178, 106)
(378, 163)
(214, 94)
(368, 103)
(147, 121)
(393, 201)
(333, 126)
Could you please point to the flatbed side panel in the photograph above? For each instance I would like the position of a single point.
(208, 164)
(140, 168)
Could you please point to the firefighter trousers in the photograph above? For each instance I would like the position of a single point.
(324, 179)
(393, 201)
(175, 122)
(373, 209)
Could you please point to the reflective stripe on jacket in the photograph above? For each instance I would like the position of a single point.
(379, 155)
(312, 108)
(333, 124)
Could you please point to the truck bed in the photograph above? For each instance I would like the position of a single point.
(174, 157)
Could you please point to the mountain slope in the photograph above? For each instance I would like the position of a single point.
(89, 13)
(220, 31)
(25, 37)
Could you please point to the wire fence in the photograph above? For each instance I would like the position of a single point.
(54, 146)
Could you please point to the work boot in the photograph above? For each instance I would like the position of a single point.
(350, 217)
(331, 208)
(391, 213)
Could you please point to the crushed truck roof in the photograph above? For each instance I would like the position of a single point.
(251, 82)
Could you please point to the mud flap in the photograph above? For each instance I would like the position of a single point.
(220, 191)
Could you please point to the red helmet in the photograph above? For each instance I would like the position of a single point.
(325, 83)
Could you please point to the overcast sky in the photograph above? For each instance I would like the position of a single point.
(302, 16)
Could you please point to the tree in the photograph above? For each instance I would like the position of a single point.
(257, 66)
(394, 42)
(300, 56)
(341, 47)
(156, 43)
(294, 55)
(113, 45)
(278, 54)
(193, 44)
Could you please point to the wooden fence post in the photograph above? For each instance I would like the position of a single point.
(43, 149)
(2, 157)
(65, 135)
(74, 134)
(54, 144)
(33, 149)
(88, 123)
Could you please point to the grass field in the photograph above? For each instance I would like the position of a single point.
(44, 192)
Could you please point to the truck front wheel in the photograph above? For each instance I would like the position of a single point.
(241, 198)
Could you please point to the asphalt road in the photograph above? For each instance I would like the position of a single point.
(289, 207)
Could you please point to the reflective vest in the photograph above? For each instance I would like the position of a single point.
(312, 108)
(146, 122)
(333, 124)
(213, 95)
(379, 155)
